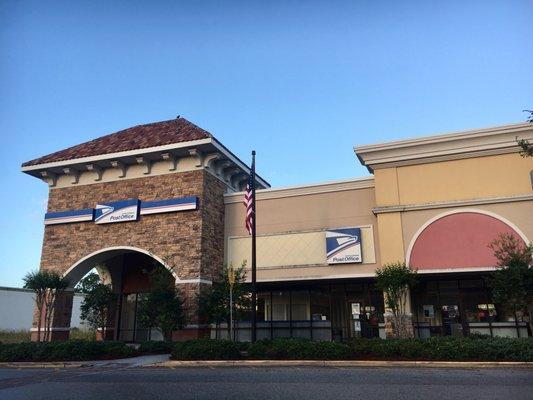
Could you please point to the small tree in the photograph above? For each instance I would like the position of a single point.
(526, 148)
(88, 283)
(98, 303)
(215, 303)
(56, 286)
(47, 286)
(395, 280)
(161, 307)
(38, 282)
(512, 282)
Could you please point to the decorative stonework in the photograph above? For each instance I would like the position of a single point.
(405, 326)
(191, 241)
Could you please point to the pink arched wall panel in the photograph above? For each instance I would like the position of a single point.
(458, 241)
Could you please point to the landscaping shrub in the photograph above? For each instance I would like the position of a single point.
(156, 347)
(298, 349)
(208, 349)
(437, 349)
(444, 349)
(72, 350)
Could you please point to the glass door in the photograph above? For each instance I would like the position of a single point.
(451, 320)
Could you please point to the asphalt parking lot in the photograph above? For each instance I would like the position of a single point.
(266, 383)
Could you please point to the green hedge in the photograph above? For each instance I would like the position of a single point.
(71, 350)
(207, 349)
(444, 349)
(156, 347)
(298, 349)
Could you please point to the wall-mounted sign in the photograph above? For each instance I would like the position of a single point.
(171, 205)
(120, 211)
(429, 311)
(65, 217)
(343, 246)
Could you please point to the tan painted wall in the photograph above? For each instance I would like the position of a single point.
(472, 178)
(466, 179)
(390, 238)
(294, 249)
(291, 229)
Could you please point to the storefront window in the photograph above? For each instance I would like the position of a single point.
(456, 307)
(320, 305)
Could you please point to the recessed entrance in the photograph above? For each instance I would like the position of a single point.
(128, 271)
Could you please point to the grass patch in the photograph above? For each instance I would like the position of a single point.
(82, 334)
(14, 336)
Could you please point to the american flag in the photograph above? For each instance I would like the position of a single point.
(248, 203)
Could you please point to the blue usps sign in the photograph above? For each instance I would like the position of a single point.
(120, 211)
(67, 217)
(343, 246)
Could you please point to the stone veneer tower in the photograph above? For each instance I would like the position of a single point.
(178, 172)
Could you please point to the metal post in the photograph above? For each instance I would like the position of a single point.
(254, 289)
(231, 281)
(231, 312)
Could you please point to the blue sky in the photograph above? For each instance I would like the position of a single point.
(299, 81)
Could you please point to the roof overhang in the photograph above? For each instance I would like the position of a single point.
(457, 145)
(202, 147)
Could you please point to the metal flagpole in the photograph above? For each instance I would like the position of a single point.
(254, 293)
(231, 281)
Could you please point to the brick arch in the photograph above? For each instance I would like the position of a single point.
(81, 267)
(459, 240)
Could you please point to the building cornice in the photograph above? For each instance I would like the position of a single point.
(448, 204)
(470, 143)
(303, 190)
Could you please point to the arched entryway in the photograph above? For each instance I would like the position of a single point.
(453, 255)
(128, 271)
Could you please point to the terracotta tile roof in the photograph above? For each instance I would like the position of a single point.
(138, 137)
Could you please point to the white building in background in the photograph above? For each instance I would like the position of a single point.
(17, 306)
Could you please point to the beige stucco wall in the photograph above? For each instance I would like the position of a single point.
(465, 179)
(495, 176)
(291, 238)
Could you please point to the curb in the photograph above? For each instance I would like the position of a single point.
(341, 364)
(43, 365)
(286, 363)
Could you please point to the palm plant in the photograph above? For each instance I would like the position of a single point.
(47, 286)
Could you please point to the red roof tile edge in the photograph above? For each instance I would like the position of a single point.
(154, 134)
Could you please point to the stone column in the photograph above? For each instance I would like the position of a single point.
(195, 327)
(404, 321)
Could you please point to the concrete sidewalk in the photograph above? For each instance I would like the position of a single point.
(132, 362)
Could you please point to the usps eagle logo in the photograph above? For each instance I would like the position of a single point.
(119, 211)
(343, 246)
(104, 209)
